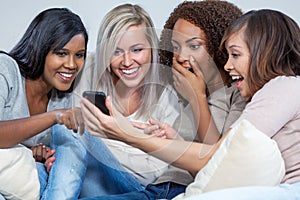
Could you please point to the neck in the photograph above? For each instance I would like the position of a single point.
(129, 100)
(37, 88)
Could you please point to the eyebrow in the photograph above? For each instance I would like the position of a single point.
(234, 46)
(194, 38)
(189, 40)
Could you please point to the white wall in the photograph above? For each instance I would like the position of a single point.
(15, 15)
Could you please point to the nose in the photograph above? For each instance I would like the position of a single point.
(70, 63)
(181, 57)
(127, 59)
(228, 66)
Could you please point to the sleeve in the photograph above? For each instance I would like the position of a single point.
(236, 107)
(5, 75)
(273, 105)
(3, 94)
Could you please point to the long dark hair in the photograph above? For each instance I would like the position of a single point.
(50, 30)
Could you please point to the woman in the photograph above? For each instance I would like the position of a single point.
(264, 54)
(37, 77)
(124, 66)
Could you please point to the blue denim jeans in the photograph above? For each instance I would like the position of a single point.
(281, 192)
(104, 175)
(166, 190)
(68, 170)
(107, 179)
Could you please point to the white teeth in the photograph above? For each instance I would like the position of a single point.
(236, 77)
(129, 71)
(66, 75)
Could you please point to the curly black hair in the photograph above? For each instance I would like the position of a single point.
(212, 16)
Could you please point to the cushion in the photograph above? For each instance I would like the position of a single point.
(246, 157)
(18, 174)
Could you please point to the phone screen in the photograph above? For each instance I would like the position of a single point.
(98, 99)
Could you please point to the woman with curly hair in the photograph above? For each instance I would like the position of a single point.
(192, 34)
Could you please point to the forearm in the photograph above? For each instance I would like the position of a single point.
(206, 127)
(13, 132)
(190, 156)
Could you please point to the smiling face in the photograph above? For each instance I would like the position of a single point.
(238, 61)
(62, 66)
(132, 57)
(189, 40)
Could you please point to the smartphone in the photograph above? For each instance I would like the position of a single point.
(98, 99)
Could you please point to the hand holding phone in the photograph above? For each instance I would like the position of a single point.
(98, 99)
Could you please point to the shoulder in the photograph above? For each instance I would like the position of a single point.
(280, 87)
(8, 65)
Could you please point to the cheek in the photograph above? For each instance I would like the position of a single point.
(144, 57)
(80, 63)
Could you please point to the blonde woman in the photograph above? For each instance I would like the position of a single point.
(125, 67)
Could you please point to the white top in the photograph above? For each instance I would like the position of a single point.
(143, 166)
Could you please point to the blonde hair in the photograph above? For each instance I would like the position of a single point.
(114, 24)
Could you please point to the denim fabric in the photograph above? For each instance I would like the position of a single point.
(281, 192)
(166, 190)
(68, 170)
(104, 175)
(43, 176)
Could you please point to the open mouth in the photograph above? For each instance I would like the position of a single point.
(238, 80)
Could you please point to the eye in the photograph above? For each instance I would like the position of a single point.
(175, 48)
(118, 52)
(60, 53)
(235, 55)
(79, 55)
(136, 50)
(195, 46)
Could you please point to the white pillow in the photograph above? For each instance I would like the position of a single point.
(18, 174)
(246, 157)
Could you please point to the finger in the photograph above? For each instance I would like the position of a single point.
(69, 120)
(49, 163)
(110, 107)
(195, 66)
(179, 68)
(44, 155)
(89, 111)
(33, 149)
(81, 129)
(150, 130)
(157, 122)
(80, 121)
(139, 125)
(39, 153)
(89, 108)
(50, 153)
(160, 133)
